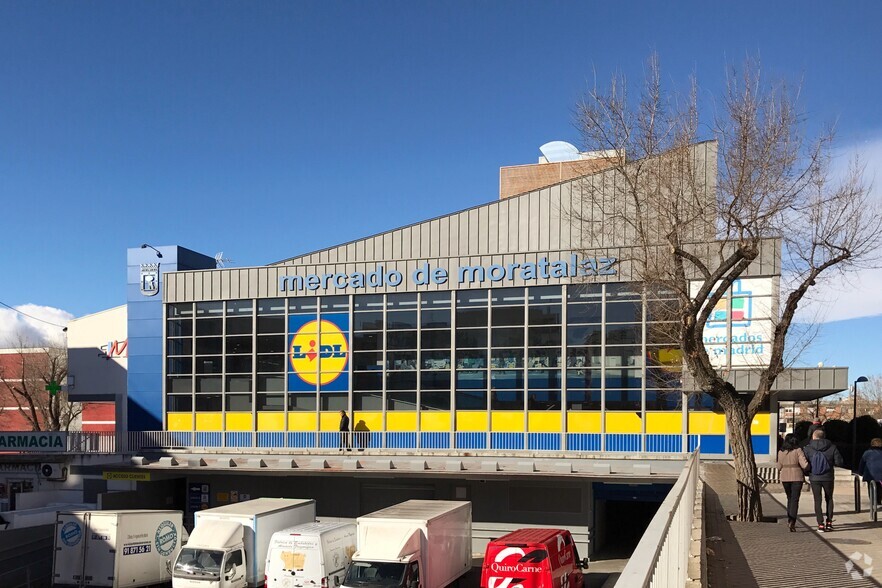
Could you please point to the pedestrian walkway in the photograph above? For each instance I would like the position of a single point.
(768, 555)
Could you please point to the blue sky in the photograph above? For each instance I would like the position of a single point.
(267, 129)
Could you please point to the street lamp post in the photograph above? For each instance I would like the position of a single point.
(860, 380)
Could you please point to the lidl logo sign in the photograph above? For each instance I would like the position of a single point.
(738, 305)
(318, 352)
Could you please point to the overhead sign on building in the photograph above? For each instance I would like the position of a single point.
(34, 442)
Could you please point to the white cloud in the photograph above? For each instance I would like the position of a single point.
(17, 329)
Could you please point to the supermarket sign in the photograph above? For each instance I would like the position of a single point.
(34, 441)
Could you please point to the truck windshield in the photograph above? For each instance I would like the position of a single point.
(198, 562)
(365, 573)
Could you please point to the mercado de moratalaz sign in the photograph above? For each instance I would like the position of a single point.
(34, 442)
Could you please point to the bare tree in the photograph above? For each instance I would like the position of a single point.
(698, 223)
(37, 368)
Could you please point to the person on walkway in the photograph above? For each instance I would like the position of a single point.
(344, 431)
(792, 464)
(822, 457)
(870, 467)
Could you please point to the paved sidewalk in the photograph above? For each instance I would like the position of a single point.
(767, 555)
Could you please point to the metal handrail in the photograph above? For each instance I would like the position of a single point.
(660, 558)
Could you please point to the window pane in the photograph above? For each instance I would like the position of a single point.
(624, 291)
(471, 359)
(471, 317)
(372, 401)
(178, 384)
(271, 306)
(506, 296)
(624, 356)
(585, 335)
(584, 292)
(436, 360)
(471, 379)
(179, 310)
(213, 326)
(435, 339)
(662, 333)
(270, 383)
(507, 358)
(308, 305)
(239, 325)
(367, 302)
(401, 300)
(544, 336)
(435, 300)
(401, 360)
(435, 319)
(238, 402)
(270, 363)
(580, 314)
(435, 380)
(302, 402)
(179, 365)
(271, 344)
(623, 400)
(507, 379)
(401, 340)
(543, 400)
(180, 328)
(240, 307)
(545, 314)
(367, 341)
(208, 403)
(240, 344)
(209, 365)
(471, 338)
(507, 316)
(664, 400)
(623, 312)
(471, 400)
(367, 380)
(507, 400)
(618, 378)
(239, 383)
(539, 358)
(271, 324)
(543, 379)
(401, 319)
(664, 378)
(401, 401)
(401, 380)
(584, 357)
(472, 298)
(215, 308)
(662, 310)
(271, 402)
(508, 337)
(239, 364)
(334, 401)
(544, 294)
(584, 378)
(583, 399)
(179, 403)
(209, 384)
(435, 401)
(368, 321)
(334, 303)
(209, 346)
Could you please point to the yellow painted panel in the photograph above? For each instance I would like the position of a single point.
(583, 422)
(435, 421)
(270, 421)
(664, 422)
(366, 421)
(761, 424)
(330, 420)
(623, 422)
(239, 421)
(401, 421)
(209, 421)
(471, 420)
(303, 421)
(507, 421)
(180, 421)
(543, 422)
(707, 423)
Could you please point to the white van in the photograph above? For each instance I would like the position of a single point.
(312, 554)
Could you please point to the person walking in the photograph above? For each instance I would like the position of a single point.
(870, 467)
(822, 456)
(792, 464)
(344, 431)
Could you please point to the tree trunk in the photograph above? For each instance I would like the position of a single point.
(750, 506)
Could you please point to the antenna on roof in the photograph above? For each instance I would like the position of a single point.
(557, 151)
(220, 260)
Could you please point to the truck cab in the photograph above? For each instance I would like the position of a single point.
(389, 574)
(214, 557)
(533, 558)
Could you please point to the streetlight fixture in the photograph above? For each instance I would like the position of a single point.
(146, 246)
(860, 380)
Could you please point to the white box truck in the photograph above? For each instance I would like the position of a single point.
(415, 544)
(116, 548)
(227, 548)
(33, 517)
(314, 554)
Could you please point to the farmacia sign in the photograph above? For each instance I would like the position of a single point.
(34, 442)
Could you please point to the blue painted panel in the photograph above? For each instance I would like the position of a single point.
(435, 440)
(301, 439)
(471, 440)
(629, 442)
(144, 330)
(401, 440)
(144, 365)
(583, 441)
(271, 439)
(658, 443)
(209, 438)
(506, 440)
(543, 441)
(760, 444)
(713, 444)
(144, 310)
(238, 439)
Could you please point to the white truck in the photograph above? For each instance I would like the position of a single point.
(228, 545)
(33, 517)
(415, 544)
(314, 554)
(115, 548)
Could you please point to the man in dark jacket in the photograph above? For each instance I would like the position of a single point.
(822, 457)
(344, 431)
(871, 465)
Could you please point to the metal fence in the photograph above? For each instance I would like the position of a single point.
(660, 559)
(408, 440)
(84, 442)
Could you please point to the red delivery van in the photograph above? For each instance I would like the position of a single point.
(533, 558)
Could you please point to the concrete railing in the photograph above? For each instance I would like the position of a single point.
(661, 559)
